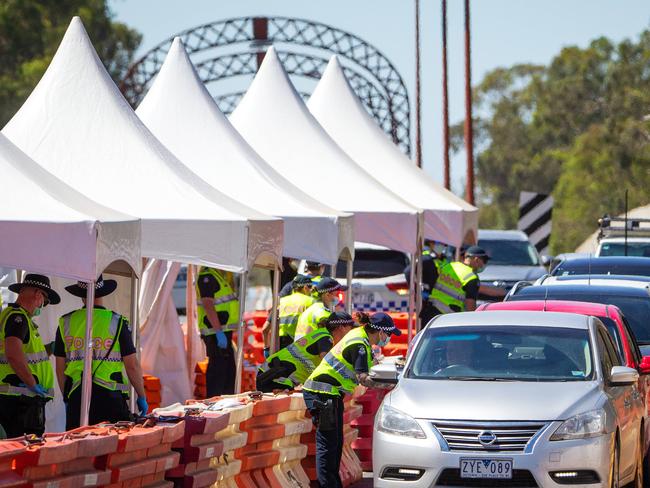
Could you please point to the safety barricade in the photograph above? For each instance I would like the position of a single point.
(152, 388)
(200, 369)
(9, 451)
(362, 446)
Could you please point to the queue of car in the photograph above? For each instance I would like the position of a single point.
(549, 388)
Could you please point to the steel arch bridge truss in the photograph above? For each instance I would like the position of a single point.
(224, 50)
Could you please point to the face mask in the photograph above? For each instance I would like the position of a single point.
(481, 269)
(333, 303)
(37, 312)
(384, 342)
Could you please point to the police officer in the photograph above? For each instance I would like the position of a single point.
(345, 367)
(291, 366)
(457, 285)
(218, 313)
(113, 355)
(26, 376)
(289, 310)
(327, 291)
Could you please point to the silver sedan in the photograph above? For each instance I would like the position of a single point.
(504, 399)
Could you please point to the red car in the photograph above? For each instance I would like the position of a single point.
(612, 317)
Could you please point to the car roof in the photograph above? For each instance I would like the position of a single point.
(577, 289)
(606, 260)
(584, 308)
(514, 318)
(510, 235)
(604, 280)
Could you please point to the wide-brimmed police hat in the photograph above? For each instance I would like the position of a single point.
(301, 280)
(37, 281)
(327, 285)
(102, 288)
(339, 319)
(382, 321)
(476, 252)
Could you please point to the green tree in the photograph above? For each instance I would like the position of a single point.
(30, 32)
(575, 128)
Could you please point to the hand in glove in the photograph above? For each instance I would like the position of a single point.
(143, 406)
(267, 352)
(39, 390)
(222, 340)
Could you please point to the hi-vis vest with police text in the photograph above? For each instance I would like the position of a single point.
(448, 290)
(297, 354)
(310, 318)
(225, 300)
(336, 366)
(289, 311)
(37, 358)
(107, 367)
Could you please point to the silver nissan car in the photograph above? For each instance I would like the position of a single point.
(507, 398)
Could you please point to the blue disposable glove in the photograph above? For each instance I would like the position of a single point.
(267, 352)
(222, 340)
(143, 406)
(425, 295)
(39, 390)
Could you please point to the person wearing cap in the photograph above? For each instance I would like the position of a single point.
(26, 375)
(327, 291)
(457, 285)
(218, 316)
(113, 355)
(345, 367)
(291, 366)
(289, 310)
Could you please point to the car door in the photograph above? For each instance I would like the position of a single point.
(621, 396)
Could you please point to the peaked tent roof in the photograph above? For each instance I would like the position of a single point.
(276, 123)
(447, 218)
(77, 125)
(47, 227)
(182, 114)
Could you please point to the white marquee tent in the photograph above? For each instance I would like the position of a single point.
(182, 114)
(447, 218)
(77, 125)
(276, 123)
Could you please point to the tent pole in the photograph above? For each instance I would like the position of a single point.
(418, 276)
(349, 273)
(87, 381)
(412, 289)
(190, 300)
(240, 331)
(135, 324)
(275, 292)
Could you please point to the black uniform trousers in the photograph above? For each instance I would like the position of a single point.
(105, 406)
(220, 376)
(21, 415)
(329, 442)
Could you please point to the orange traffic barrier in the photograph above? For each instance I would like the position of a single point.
(362, 446)
(233, 438)
(9, 450)
(200, 369)
(153, 389)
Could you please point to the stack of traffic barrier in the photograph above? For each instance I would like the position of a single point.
(398, 345)
(362, 446)
(227, 465)
(272, 456)
(66, 460)
(9, 451)
(152, 388)
(143, 455)
(253, 340)
(200, 369)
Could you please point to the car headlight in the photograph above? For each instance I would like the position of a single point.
(582, 426)
(392, 421)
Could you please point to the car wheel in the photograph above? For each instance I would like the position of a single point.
(615, 475)
(640, 465)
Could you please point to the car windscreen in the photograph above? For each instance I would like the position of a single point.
(503, 353)
(580, 267)
(618, 249)
(374, 263)
(635, 308)
(509, 252)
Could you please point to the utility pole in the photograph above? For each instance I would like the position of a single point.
(418, 119)
(445, 99)
(469, 133)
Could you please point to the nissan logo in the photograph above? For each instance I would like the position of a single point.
(487, 438)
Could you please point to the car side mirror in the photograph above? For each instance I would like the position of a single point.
(644, 367)
(623, 376)
(386, 372)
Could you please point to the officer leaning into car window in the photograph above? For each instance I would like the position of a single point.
(327, 291)
(26, 375)
(345, 367)
(218, 314)
(291, 366)
(114, 354)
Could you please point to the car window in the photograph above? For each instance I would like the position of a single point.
(374, 263)
(509, 252)
(506, 353)
(596, 267)
(618, 249)
(636, 352)
(608, 356)
(615, 334)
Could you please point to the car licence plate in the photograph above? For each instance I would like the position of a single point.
(363, 298)
(486, 468)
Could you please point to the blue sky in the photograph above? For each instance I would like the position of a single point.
(504, 32)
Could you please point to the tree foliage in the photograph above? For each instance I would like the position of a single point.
(30, 32)
(577, 128)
